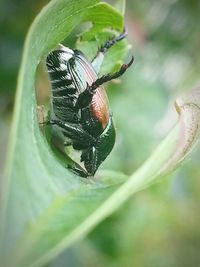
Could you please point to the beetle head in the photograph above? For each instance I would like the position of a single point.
(96, 154)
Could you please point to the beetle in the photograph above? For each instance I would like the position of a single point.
(80, 105)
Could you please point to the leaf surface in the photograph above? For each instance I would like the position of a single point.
(47, 208)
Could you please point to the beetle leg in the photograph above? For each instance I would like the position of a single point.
(85, 97)
(111, 76)
(71, 164)
(78, 170)
(113, 41)
(73, 131)
(98, 59)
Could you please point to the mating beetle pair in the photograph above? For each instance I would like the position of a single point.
(80, 105)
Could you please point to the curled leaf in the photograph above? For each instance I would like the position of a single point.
(188, 108)
(46, 208)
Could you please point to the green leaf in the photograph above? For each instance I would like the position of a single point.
(120, 5)
(45, 207)
(37, 189)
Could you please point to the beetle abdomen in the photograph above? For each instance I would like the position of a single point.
(64, 92)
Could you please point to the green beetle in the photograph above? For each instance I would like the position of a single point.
(80, 104)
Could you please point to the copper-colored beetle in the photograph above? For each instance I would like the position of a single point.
(80, 105)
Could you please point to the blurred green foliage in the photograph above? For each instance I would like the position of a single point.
(15, 19)
(159, 227)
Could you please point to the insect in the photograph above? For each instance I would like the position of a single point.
(80, 104)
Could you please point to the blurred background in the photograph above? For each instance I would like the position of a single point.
(158, 227)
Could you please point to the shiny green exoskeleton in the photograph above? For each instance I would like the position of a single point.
(80, 105)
